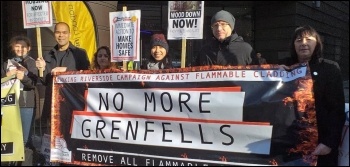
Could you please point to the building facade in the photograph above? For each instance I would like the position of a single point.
(267, 26)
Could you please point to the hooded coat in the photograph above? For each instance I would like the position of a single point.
(232, 51)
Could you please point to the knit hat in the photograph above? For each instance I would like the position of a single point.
(159, 40)
(224, 16)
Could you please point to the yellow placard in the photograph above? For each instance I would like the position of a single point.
(12, 145)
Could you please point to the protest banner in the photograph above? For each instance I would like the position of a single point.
(190, 116)
(125, 35)
(12, 145)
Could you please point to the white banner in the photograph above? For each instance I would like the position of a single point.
(244, 138)
(168, 103)
(224, 75)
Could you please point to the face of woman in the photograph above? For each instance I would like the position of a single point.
(21, 48)
(158, 52)
(304, 47)
(103, 59)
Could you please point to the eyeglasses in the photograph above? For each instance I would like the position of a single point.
(216, 25)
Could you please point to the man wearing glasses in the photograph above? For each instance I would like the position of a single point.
(226, 47)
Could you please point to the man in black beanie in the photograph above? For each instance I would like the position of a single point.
(226, 47)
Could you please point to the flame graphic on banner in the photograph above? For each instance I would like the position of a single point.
(305, 103)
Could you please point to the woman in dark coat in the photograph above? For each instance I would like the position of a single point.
(328, 93)
(21, 65)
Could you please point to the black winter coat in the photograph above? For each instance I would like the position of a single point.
(75, 59)
(27, 98)
(330, 107)
(232, 51)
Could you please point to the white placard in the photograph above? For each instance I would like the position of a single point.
(37, 14)
(185, 19)
(125, 35)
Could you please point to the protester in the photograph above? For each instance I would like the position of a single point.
(22, 66)
(63, 57)
(226, 47)
(261, 60)
(328, 92)
(159, 58)
(102, 59)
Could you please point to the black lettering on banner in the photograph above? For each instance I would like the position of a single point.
(147, 130)
(184, 101)
(170, 101)
(104, 102)
(202, 136)
(150, 100)
(100, 129)
(228, 135)
(131, 132)
(183, 136)
(165, 130)
(203, 101)
(88, 130)
(121, 101)
(134, 133)
(112, 136)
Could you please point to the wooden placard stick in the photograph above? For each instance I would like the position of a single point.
(183, 53)
(40, 55)
(125, 65)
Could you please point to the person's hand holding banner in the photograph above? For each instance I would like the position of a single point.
(322, 149)
(58, 69)
(20, 74)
